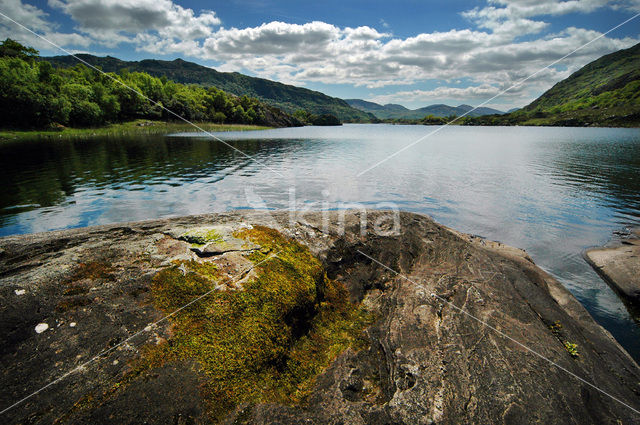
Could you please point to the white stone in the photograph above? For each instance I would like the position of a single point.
(20, 291)
(72, 324)
(41, 327)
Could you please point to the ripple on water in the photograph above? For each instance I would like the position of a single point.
(551, 191)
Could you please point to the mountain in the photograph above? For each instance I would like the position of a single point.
(393, 111)
(605, 92)
(288, 98)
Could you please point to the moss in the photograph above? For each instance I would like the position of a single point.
(75, 290)
(571, 348)
(267, 342)
(152, 356)
(72, 304)
(92, 270)
(198, 238)
(85, 402)
(177, 285)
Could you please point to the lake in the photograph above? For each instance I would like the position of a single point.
(551, 191)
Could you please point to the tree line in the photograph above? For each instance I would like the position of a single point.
(34, 94)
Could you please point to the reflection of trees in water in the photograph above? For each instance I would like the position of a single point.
(44, 173)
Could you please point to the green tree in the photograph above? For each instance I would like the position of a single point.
(13, 49)
(34, 94)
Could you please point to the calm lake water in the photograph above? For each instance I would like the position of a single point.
(551, 191)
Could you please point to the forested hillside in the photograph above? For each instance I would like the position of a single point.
(34, 94)
(605, 92)
(288, 98)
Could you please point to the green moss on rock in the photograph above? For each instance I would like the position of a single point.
(268, 341)
(201, 236)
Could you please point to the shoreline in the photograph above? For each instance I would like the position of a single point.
(137, 127)
(618, 264)
(68, 294)
(150, 127)
(524, 124)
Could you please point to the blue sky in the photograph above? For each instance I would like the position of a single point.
(410, 52)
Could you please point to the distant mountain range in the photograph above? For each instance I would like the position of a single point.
(605, 92)
(605, 88)
(286, 97)
(393, 111)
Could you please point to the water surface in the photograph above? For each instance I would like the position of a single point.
(551, 191)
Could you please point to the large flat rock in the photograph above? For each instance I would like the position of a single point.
(619, 265)
(425, 361)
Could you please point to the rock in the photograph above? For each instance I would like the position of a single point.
(421, 359)
(619, 265)
(215, 240)
(20, 292)
(226, 245)
(41, 327)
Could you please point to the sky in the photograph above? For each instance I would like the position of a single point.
(410, 52)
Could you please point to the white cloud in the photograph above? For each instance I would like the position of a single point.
(151, 25)
(490, 54)
(28, 15)
(512, 15)
(362, 56)
(474, 94)
(36, 20)
(272, 39)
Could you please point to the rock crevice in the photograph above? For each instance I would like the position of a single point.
(419, 361)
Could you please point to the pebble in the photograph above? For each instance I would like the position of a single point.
(72, 324)
(20, 291)
(41, 327)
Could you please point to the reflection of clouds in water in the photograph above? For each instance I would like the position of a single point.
(539, 189)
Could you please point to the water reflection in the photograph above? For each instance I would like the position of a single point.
(551, 191)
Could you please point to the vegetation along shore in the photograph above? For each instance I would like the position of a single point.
(135, 127)
(38, 99)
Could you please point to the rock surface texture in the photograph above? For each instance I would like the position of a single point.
(424, 362)
(619, 265)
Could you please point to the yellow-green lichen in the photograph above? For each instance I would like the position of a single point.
(268, 341)
(201, 236)
(571, 348)
(555, 328)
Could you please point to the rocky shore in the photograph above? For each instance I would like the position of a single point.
(619, 265)
(252, 318)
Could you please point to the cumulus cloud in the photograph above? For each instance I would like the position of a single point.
(274, 38)
(36, 20)
(491, 53)
(477, 93)
(362, 56)
(151, 25)
(512, 16)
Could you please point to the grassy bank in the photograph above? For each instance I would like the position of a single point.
(126, 128)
